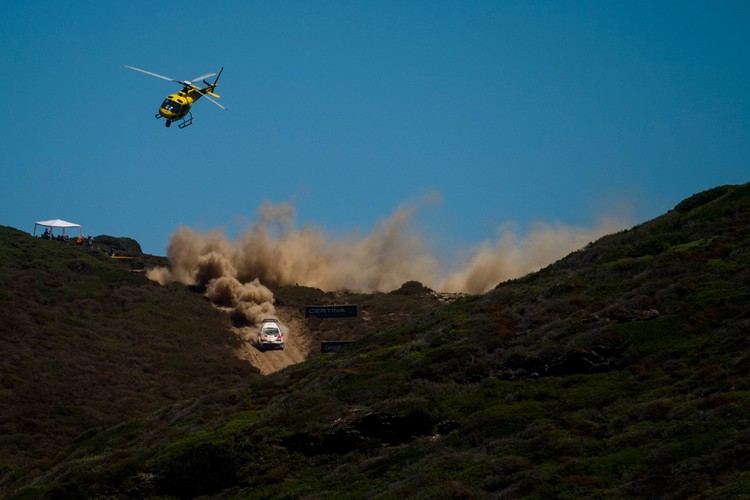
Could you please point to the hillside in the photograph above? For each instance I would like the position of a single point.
(89, 342)
(623, 370)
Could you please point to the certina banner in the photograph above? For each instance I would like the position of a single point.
(343, 311)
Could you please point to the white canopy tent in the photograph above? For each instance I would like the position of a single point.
(57, 223)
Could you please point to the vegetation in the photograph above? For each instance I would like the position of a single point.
(87, 342)
(623, 370)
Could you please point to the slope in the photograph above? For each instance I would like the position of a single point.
(622, 370)
(376, 311)
(86, 342)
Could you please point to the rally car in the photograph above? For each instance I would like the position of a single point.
(270, 335)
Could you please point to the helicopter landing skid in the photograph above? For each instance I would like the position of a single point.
(186, 120)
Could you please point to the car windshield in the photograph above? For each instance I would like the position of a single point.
(271, 331)
(171, 106)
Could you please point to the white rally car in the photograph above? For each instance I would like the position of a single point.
(270, 335)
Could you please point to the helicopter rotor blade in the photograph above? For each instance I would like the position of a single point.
(212, 100)
(155, 74)
(186, 83)
(201, 77)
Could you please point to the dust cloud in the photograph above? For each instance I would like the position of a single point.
(273, 251)
(512, 256)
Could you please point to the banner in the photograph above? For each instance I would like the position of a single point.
(345, 311)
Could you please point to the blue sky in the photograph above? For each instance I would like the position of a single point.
(506, 112)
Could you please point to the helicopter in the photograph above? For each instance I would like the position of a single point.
(177, 106)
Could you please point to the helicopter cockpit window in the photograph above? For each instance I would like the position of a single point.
(171, 106)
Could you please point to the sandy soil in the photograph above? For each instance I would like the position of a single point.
(303, 336)
(297, 340)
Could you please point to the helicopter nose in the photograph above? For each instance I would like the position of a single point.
(166, 113)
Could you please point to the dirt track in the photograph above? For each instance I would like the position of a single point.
(303, 336)
(297, 348)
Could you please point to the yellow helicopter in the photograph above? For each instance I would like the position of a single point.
(177, 106)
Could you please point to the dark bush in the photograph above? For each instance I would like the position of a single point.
(202, 469)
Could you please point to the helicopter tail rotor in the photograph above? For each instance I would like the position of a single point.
(209, 89)
(216, 81)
